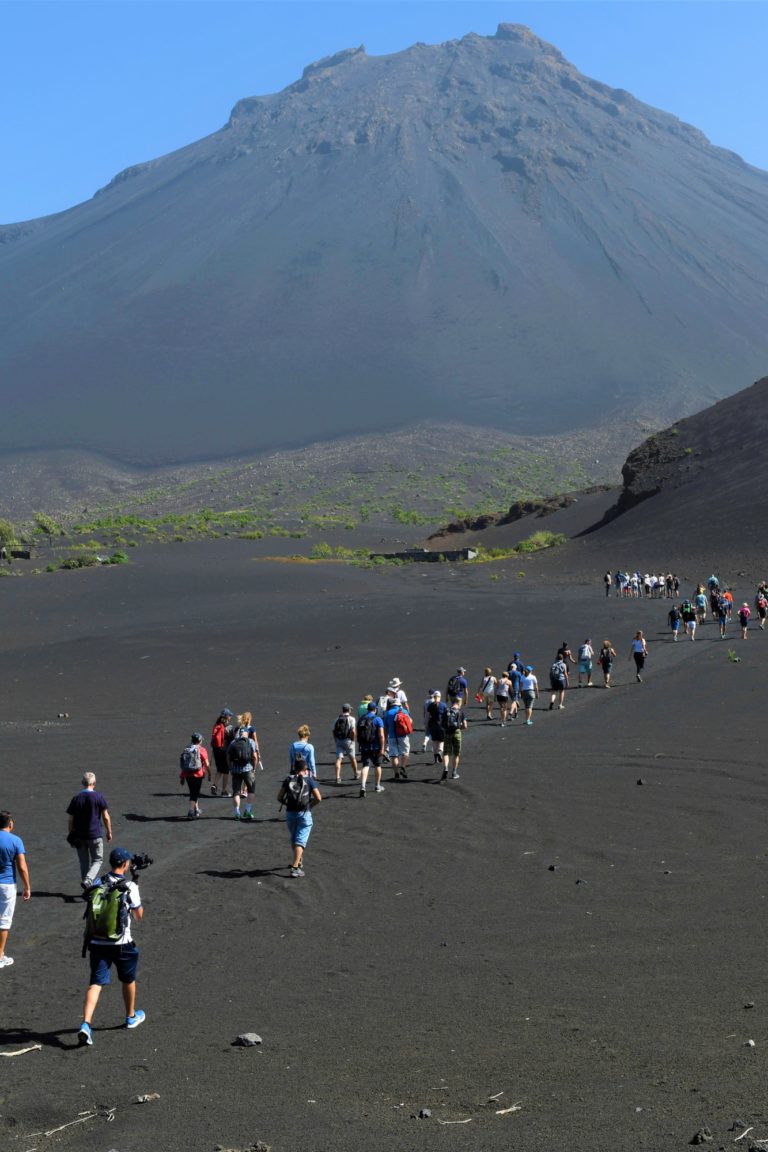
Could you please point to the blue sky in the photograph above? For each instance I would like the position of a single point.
(88, 87)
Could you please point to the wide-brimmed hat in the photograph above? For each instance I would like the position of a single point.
(394, 683)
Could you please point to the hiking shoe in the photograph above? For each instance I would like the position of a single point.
(639, 679)
(296, 872)
(6, 961)
(85, 1035)
(190, 815)
(561, 706)
(438, 757)
(362, 792)
(236, 814)
(529, 721)
(248, 816)
(455, 776)
(444, 775)
(551, 705)
(226, 794)
(135, 1020)
(379, 788)
(403, 773)
(198, 814)
(214, 790)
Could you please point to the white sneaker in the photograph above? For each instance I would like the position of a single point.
(6, 961)
(379, 788)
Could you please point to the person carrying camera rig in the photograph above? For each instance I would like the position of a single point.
(111, 907)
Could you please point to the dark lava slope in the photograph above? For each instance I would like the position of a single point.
(475, 227)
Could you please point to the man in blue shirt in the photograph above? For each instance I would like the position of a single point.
(12, 856)
(399, 745)
(370, 735)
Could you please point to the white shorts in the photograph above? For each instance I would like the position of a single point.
(400, 746)
(7, 905)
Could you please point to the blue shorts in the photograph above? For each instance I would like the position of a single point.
(125, 958)
(299, 827)
(585, 667)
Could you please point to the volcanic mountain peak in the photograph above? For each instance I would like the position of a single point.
(474, 229)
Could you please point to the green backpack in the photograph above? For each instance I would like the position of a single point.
(107, 913)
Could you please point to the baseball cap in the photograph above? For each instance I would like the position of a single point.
(227, 712)
(529, 667)
(371, 706)
(197, 737)
(461, 670)
(119, 856)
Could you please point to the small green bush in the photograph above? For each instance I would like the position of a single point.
(118, 558)
(51, 567)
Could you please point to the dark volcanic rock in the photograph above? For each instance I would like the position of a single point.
(475, 226)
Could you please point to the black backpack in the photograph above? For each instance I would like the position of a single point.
(452, 720)
(343, 728)
(366, 730)
(454, 687)
(240, 753)
(298, 793)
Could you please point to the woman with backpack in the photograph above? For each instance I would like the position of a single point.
(606, 658)
(303, 748)
(221, 737)
(504, 699)
(193, 766)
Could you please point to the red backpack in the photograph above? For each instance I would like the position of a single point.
(402, 724)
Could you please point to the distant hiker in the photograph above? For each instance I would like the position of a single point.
(398, 727)
(487, 692)
(344, 732)
(194, 766)
(744, 615)
(529, 691)
(458, 688)
(608, 581)
(13, 857)
(303, 748)
(586, 655)
(504, 696)
(246, 727)
(700, 604)
(722, 615)
(728, 597)
(435, 723)
(688, 613)
(87, 811)
(111, 907)
(639, 651)
(564, 653)
(396, 691)
(761, 604)
(362, 707)
(674, 619)
(455, 723)
(370, 736)
(713, 583)
(425, 717)
(243, 758)
(606, 658)
(558, 682)
(300, 794)
(221, 737)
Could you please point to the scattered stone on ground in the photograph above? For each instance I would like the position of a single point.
(703, 1136)
(246, 1040)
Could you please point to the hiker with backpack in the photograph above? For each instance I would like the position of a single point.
(300, 794)
(558, 682)
(221, 737)
(344, 733)
(505, 697)
(674, 619)
(398, 727)
(606, 658)
(455, 723)
(243, 758)
(302, 747)
(586, 655)
(458, 688)
(112, 905)
(193, 767)
(435, 724)
(370, 737)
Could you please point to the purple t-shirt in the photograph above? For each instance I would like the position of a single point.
(86, 809)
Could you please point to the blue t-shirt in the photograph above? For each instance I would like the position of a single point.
(300, 748)
(377, 724)
(10, 847)
(389, 722)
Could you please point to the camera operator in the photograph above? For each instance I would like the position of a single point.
(112, 906)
